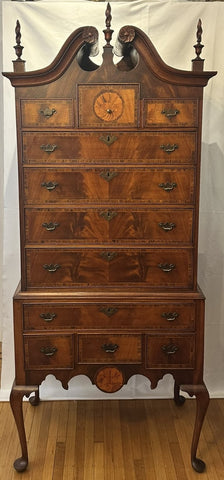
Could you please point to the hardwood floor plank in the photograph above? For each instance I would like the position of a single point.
(112, 440)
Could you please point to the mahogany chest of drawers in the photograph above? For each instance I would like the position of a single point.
(109, 166)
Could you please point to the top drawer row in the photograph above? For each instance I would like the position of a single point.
(55, 113)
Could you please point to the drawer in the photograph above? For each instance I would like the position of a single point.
(48, 113)
(170, 113)
(49, 351)
(109, 348)
(110, 105)
(170, 351)
(108, 225)
(66, 186)
(166, 316)
(92, 147)
(156, 268)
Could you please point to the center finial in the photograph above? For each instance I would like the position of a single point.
(108, 32)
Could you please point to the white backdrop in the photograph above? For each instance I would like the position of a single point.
(172, 28)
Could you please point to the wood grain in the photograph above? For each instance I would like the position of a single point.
(108, 440)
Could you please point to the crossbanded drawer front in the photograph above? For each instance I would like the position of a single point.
(108, 349)
(49, 351)
(48, 113)
(156, 268)
(165, 316)
(170, 351)
(142, 147)
(171, 113)
(109, 224)
(66, 186)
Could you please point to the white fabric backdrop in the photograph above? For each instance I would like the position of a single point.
(172, 27)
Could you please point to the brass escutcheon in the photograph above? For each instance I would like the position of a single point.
(48, 317)
(108, 311)
(167, 227)
(108, 214)
(108, 255)
(170, 349)
(108, 175)
(169, 113)
(51, 226)
(48, 112)
(166, 267)
(48, 351)
(170, 316)
(169, 148)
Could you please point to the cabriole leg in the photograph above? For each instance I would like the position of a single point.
(16, 402)
(178, 399)
(35, 399)
(202, 402)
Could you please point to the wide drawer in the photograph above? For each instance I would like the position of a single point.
(46, 114)
(170, 351)
(156, 268)
(171, 113)
(66, 186)
(116, 147)
(49, 351)
(108, 225)
(50, 316)
(109, 348)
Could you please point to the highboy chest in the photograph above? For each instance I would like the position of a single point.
(109, 172)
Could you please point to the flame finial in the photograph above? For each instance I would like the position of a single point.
(18, 47)
(198, 47)
(108, 32)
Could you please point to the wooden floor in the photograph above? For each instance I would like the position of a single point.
(112, 440)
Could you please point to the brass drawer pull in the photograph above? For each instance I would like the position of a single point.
(48, 112)
(167, 227)
(108, 255)
(50, 227)
(108, 214)
(51, 267)
(168, 186)
(108, 311)
(110, 347)
(170, 316)
(49, 185)
(108, 139)
(166, 267)
(48, 317)
(108, 175)
(169, 148)
(170, 349)
(48, 148)
(170, 112)
(48, 351)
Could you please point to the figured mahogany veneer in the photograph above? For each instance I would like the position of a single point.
(109, 174)
(109, 225)
(172, 147)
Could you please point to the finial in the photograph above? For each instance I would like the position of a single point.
(108, 32)
(198, 48)
(18, 47)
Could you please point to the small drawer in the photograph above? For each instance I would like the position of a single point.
(167, 186)
(47, 113)
(162, 226)
(170, 351)
(108, 349)
(107, 105)
(49, 351)
(165, 316)
(94, 147)
(170, 113)
(155, 268)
